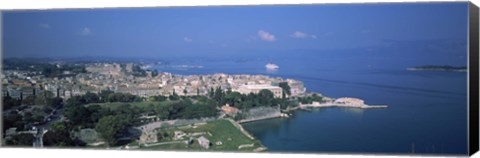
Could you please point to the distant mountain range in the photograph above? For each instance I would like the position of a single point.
(438, 68)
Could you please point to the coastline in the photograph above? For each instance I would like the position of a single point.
(247, 134)
(281, 115)
(285, 113)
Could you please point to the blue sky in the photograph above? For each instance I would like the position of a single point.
(233, 30)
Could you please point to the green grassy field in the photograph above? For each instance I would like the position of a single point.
(221, 130)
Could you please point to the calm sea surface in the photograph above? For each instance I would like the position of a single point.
(427, 111)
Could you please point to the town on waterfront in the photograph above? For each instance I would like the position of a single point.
(125, 105)
(293, 78)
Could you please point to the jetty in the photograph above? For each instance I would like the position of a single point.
(342, 102)
(324, 105)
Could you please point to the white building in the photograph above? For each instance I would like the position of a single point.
(296, 87)
(256, 88)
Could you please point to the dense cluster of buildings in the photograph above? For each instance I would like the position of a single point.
(118, 78)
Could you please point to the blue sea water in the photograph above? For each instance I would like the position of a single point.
(427, 111)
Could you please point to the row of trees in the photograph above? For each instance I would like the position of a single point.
(157, 98)
(310, 99)
(102, 97)
(186, 109)
(245, 101)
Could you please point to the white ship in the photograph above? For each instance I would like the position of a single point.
(271, 66)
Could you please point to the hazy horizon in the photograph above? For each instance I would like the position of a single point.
(413, 32)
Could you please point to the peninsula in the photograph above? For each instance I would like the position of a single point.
(342, 102)
(438, 68)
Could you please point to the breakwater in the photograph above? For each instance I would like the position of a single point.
(332, 104)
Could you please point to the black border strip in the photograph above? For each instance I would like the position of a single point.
(473, 69)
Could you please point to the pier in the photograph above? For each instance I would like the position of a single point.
(332, 104)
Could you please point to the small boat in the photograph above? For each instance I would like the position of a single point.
(271, 66)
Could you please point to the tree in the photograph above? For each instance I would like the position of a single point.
(229, 90)
(110, 127)
(47, 109)
(23, 139)
(154, 73)
(123, 97)
(158, 98)
(9, 102)
(317, 98)
(163, 112)
(47, 71)
(96, 113)
(54, 102)
(174, 96)
(285, 87)
(91, 97)
(75, 101)
(41, 98)
(265, 97)
(137, 71)
(211, 92)
(58, 135)
(30, 100)
(28, 117)
(233, 98)
(78, 115)
(13, 119)
(38, 115)
(103, 95)
(219, 95)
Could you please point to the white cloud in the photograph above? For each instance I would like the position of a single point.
(44, 26)
(266, 36)
(86, 31)
(299, 34)
(186, 39)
